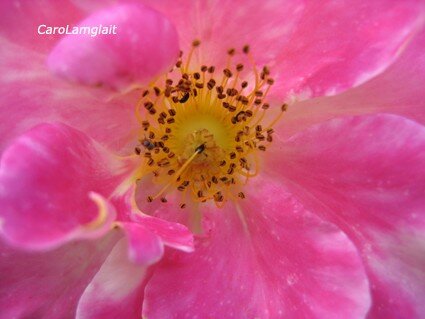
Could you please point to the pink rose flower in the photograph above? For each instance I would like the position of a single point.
(287, 136)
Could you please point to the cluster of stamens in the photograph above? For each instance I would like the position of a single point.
(201, 130)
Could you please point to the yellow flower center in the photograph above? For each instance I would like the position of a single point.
(202, 130)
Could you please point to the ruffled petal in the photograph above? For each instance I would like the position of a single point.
(53, 185)
(367, 175)
(272, 259)
(357, 42)
(143, 45)
(49, 284)
(147, 235)
(313, 48)
(117, 289)
(398, 90)
(30, 95)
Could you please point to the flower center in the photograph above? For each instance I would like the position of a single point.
(202, 130)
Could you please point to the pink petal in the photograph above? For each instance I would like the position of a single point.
(367, 175)
(53, 181)
(284, 263)
(30, 95)
(144, 247)
(19, 21)
(147, 235)
(357, 42)
(398, 90)
(314, 48)
(225, 24)
(116, 291)
(145, 44)
(49, 284)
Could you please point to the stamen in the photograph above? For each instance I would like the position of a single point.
(202, 129)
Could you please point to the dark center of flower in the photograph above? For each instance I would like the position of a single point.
(202, 130)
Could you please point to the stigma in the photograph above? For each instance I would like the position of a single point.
(203, 130)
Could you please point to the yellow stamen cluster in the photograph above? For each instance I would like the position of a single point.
(201, 129)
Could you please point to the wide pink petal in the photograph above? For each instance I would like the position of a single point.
(313, 47)
(30, 95)
(398, 90)
(145, 45)
(49, 284)
(53, 185)
(277, 261)
(225, 24)
(144, 247)
(116, 291)
(367, 175)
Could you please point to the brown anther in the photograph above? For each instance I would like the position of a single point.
(204, 68)
(245, 49)
(163, 199)
(265, 106)
(170, 120)
(284, 107)
(232, 155)
(149, 199)
(270, 81)
(178, 64)
(241, 195)
(244, 84)
(152, 111)
(183, 205)
(219, 89)
(157, 91)
(150, 162)
(169, 82)
(199, 85)
(185, 98)
(147, 154)
(239, 149)
(231, 52)
(258, 101)
(211, 83)
(270, 131)
(167, 130)
(239, 67)
(211, 69)
(148, 105)
(200, 194)
(259, 93)
(269, 138)
(262, 148)
(161, 120)
(227, 73)
(196, 43)
(258, 128)
(232, 108)
(196, 76)
(172, 112)
(214, 180)
(232, 92)
(222, 162)
(248, 113)
(171, 172)
(171, 155)
(137, 150)
(151, 135)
